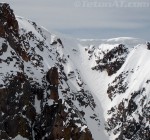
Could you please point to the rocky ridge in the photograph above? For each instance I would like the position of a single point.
(31, 105)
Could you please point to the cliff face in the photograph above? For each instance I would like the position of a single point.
(68, 89)
(30, 107)
(9, 23)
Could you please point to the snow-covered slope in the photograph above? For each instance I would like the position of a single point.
(117, 74)
(55, 87)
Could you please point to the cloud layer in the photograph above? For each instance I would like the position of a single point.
(87, 21)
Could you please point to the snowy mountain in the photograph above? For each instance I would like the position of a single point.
(54, 87)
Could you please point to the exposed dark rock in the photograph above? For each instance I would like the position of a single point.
(148, 45)
(53, 79)
(117, 86)
(9, 127)
(57, 41)
(71, 131)
(54, 43)
(60, 42)
(10, 30)
(12, 107)
(54, 94)
(2, 30)
(22, 114)
(122, 122)
(30, 113)
(39, 93)
(131, 106)
(8, 20)
(52, 76)
(131, 130)
(112, 60)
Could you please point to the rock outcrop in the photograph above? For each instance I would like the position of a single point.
(10, 30)
(112, 60)
(52, 77)
(148, 45)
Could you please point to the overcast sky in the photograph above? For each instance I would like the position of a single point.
(89, 18)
